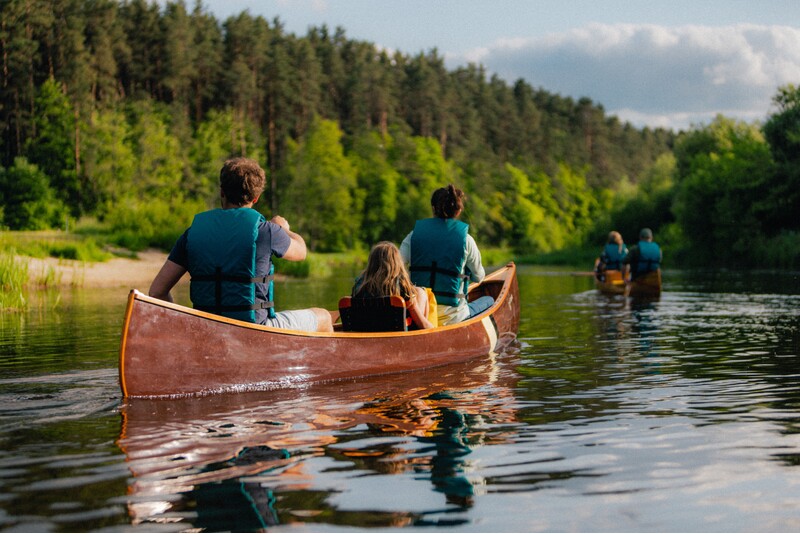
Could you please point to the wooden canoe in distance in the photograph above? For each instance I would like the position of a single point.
(646, 285)
(169, 350)
(612, 282)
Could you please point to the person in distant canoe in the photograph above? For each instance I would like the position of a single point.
(612, 255)
(386, 275)
(443, 256)
(228, 253)
(643, 257)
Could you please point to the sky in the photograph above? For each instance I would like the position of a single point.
(658, 63)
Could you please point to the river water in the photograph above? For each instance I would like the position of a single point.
(608, 414)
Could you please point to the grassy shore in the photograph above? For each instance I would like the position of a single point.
(56, 259)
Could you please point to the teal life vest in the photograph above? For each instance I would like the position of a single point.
(221, 246)
(438, 254)
(649, 258)
(612, 257)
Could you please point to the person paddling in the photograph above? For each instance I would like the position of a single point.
(644, 257)
(228, 253)
(611, 256)
(443, 256)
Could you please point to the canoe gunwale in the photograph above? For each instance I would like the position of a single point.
(156, 360)
(136, 295)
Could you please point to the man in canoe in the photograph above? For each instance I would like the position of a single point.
(443, 256)
(643, 257)
(228, 253)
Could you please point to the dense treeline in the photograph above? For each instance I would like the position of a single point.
(124, 112)
(728, 194)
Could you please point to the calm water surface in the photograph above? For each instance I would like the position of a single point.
(609, 414)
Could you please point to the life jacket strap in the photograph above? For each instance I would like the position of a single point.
(433, 269)
(218, 277)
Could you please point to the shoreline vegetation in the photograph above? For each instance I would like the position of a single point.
(55, 260)
(115, 131)
(58, 260)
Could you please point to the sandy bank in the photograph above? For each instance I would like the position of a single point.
(118, 272)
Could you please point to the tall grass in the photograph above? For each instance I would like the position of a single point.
(49, 277)
(54, 244)
(13, 277)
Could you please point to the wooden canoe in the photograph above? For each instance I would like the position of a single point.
(612, 282)
(647, 285)
(169, 350)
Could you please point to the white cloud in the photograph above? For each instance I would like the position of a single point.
(654, 75)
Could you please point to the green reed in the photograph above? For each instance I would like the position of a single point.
(13, 278)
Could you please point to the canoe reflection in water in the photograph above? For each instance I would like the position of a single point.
(246, 461)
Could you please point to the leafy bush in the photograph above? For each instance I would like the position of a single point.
(29, 201)
(157, 222)
(781, 251)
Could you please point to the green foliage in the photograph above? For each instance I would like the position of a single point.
(298, 269)
(724, 166)
(781, 251)
(321, 199)
(214, 142)
(578, 257)
(156, 222)
(54, 244)
(109, 160)
(780, 205)
(30, 202)
(53, 148)
(13, 277)
(322, 265)
(127, 110)
(377, 182)
(423, 169)
(210, 148)
(532, 228)
(495, 256)
(159, 164)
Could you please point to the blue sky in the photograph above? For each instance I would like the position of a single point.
(658, 63)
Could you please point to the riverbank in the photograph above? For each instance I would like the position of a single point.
(135, 272)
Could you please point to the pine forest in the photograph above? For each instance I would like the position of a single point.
(122, 113)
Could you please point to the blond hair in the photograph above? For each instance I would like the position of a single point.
(385, 273)
(615, 237)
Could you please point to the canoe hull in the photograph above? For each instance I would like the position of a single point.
(611, 284)
(647, 285)
(169, 350)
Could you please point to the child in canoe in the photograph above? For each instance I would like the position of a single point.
(386, 275)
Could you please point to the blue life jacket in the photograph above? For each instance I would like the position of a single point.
(221, 246)
(612, 257)
(438, 254)
(649, 258)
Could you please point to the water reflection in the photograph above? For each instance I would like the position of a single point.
(680, 414)
(254, 451)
